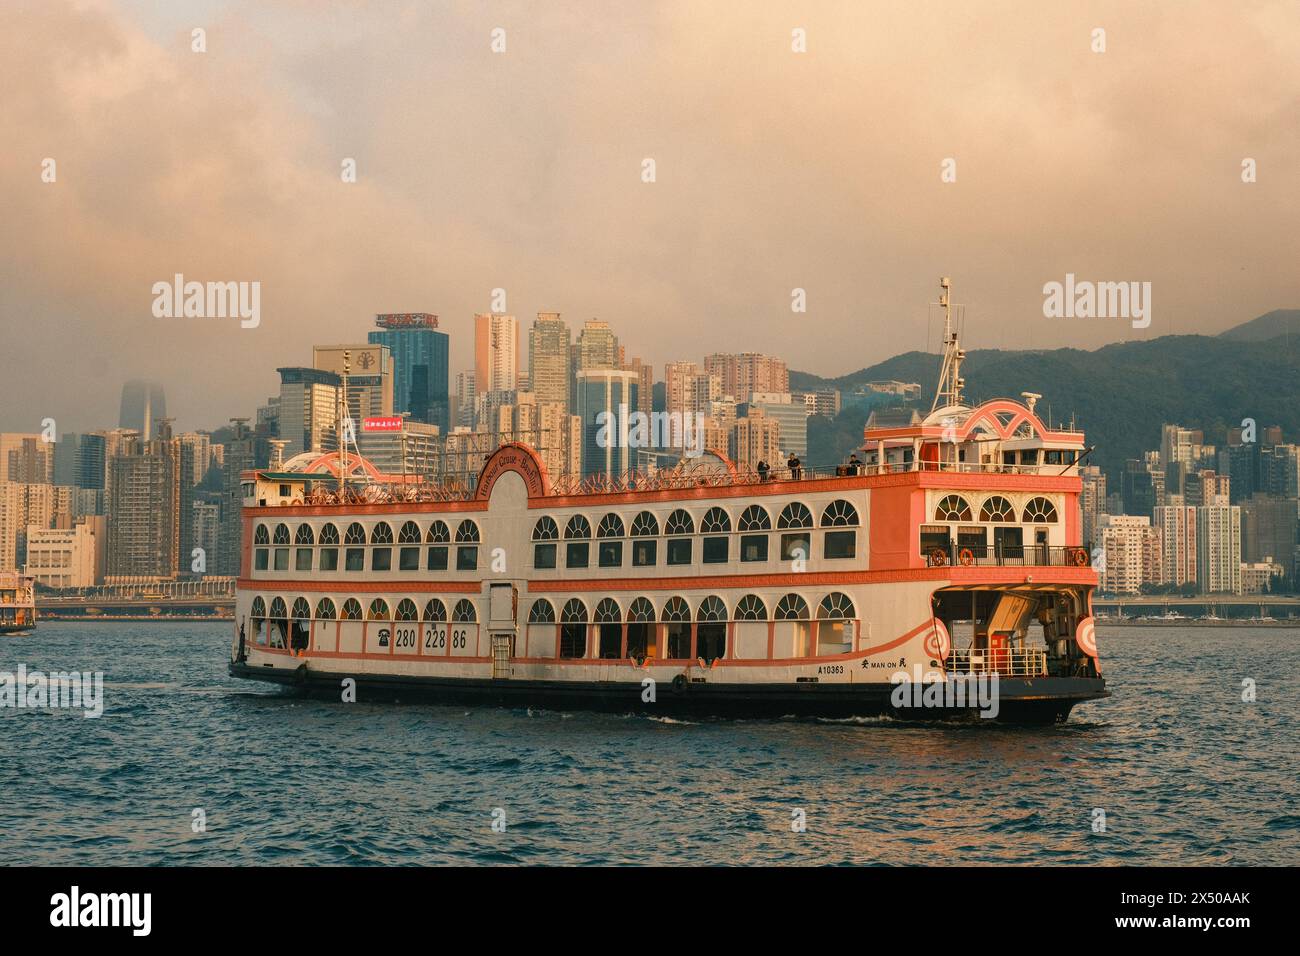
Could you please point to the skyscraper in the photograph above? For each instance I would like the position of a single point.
(1218, 547)
(614, 393)
(309, 410)
(745, 373)
(548, 359)
(143, 404)
(420, 364)
(597, 346)
(144, 528)
(496, 352)
(370, 377)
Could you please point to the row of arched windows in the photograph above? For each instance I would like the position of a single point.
(751, 607)
(716, 520)
(362, 552)
(379, 610)
(996, 508)
(382, 533)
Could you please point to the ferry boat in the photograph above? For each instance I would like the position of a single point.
(17, 603)
(705, 589)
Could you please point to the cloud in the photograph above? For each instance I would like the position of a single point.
(521, 170)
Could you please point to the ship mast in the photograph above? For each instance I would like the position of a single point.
(344, 419)
(950, 380)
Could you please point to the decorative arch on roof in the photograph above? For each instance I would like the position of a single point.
(523, 461)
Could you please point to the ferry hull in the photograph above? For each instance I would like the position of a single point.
(1020, 700)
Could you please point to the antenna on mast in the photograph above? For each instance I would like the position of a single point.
(950, 380)
(346, 419)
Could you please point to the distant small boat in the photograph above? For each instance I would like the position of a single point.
(17, 603)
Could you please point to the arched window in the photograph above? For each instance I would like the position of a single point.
(435, 610)
(679, 522)
(406, 610)
(679, 549)
(329, 534)
(1040, 511)
(280, 539)
(836, 606)
(640, 629)
(711, 629)
(378, 610)
(712, 609)
(542, 612)
(645, 553)
(573, 629)
(751, 608)
(610, 549)
(676, 610)
(577, 550)
(467, 540)
(351, 610)
(261, 535)
(354, 556)
(463, 612)
(645, 525)
(717, 524)
(756, 521)
(304, 538)
(279, 622)
(795, 515)
(329, 551)
(258, 614)
(545, 534)
(834, 630)
(676, 616)
(381, 558)
(641, 611)
(840, 514)
(300, 626)
(609, 629)
(325, 610)
(408, 556)
(792, 608)
(952, 508)
(997, 508)
(715, 521)
(437, 537)
(840, 544)
(258, 610)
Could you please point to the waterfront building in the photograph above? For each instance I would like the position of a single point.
(1132, 553)
(1268, 530)
(70, 557)
(1218, 547)
(1176, 522)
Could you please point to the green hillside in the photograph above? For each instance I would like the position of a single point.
(1119, 394)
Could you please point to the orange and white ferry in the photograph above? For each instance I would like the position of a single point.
(705, 589)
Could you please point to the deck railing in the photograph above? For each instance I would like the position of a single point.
(439, 489)
(1030, 555)
(1006, 661)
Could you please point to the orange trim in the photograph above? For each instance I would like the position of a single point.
(794, 581)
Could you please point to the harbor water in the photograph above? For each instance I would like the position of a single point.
(189, 766)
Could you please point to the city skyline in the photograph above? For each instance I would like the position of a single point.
(666, 263)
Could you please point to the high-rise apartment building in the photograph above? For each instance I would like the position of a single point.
(742, 374)
(1092, 501)
(1218, 547)
(145, 511)
(370, 377)
(756, 437)
(1132, 553)
(548, 359)
(1268, 531)
(496, 352)
(1176, 524)
(420, 356)
(309, 410)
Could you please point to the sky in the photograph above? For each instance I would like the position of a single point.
(523, 169)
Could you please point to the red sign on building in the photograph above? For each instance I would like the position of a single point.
(393, 424)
